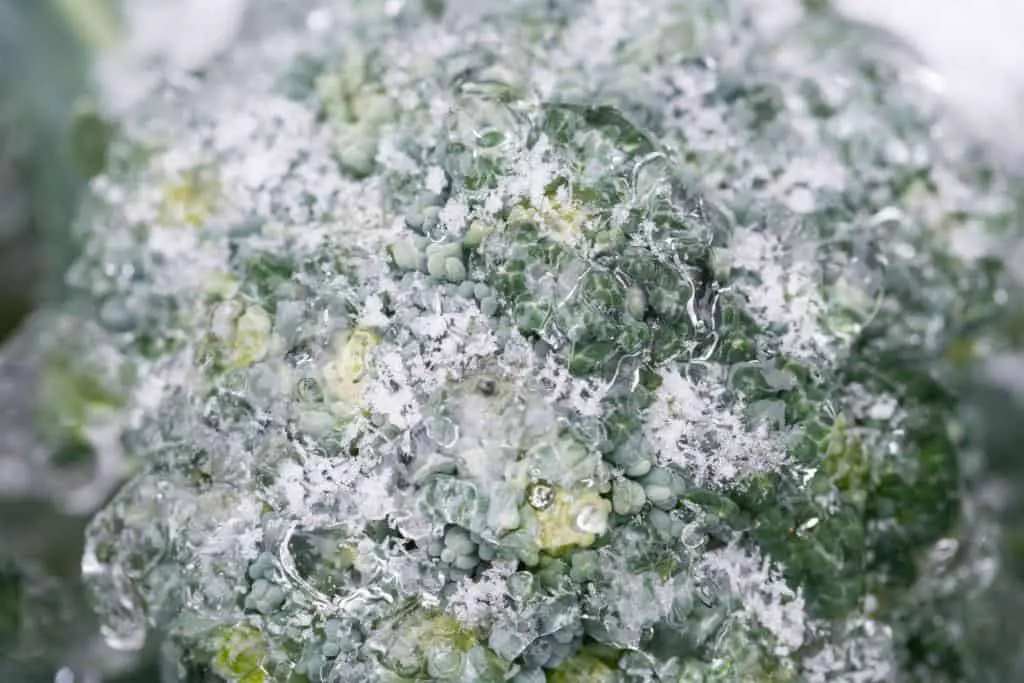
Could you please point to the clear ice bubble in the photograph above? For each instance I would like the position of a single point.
(541, 495)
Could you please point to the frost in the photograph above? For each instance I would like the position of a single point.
(786, 290)
(205, 30)
(765, 597)
(638, 600)
(374, 492)
(453, 216)
(693, 426)
(862, 653)
(436, 180)
(478, 602)
(531, 174)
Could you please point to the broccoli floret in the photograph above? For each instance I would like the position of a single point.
(488, 365)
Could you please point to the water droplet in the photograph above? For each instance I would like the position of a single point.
(116, 316)
(592, 519)
(443, 432)
(437, 232)
(807, 526)
(541, 495)
(445, 663)
(693, 537)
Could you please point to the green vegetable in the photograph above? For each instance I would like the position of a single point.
(540, 358)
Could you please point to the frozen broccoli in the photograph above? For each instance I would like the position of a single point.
(573, 341)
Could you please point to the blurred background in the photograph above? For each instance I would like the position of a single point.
(67, 67)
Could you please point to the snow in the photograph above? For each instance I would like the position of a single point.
(862, 653)
(453, 216)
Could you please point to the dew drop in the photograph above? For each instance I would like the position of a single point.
(308, 390)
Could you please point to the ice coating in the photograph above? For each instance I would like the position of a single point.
(467, 361)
